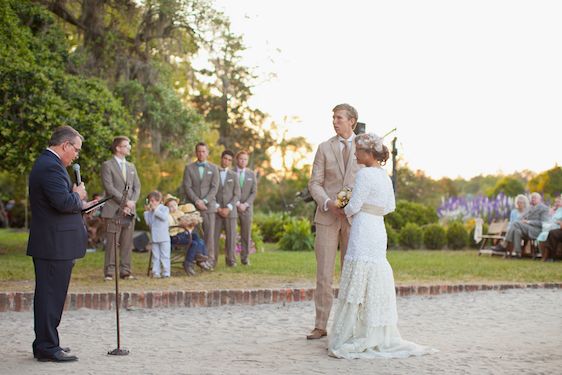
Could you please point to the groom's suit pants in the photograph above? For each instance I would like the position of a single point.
(328, 238)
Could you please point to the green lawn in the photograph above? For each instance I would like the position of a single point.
(275, 268)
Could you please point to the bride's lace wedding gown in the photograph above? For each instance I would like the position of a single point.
(365, 317)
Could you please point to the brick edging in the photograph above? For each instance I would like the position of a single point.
(23, 301)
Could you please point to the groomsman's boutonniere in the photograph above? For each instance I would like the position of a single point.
(343, 197)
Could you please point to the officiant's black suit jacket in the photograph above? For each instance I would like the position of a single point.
(57, 237)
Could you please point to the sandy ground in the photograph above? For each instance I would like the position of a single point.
(516, 331)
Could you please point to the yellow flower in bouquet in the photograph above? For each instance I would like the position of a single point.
(343, 197)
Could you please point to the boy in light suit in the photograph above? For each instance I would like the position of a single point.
(156, 216)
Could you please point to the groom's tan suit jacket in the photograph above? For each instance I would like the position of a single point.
(329, 177)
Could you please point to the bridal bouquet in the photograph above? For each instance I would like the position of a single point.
(343, 197)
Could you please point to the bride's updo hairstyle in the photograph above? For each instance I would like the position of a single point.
(372, 143)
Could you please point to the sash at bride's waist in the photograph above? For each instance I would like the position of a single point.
(372, 209)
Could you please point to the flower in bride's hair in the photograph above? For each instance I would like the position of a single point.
(343, 197)
(376, 141)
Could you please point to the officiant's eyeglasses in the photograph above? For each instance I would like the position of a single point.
(75, 148)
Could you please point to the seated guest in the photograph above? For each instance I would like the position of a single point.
(529, 226)
(521, 206)
(182, 222)
(552, 224)
(553, 239)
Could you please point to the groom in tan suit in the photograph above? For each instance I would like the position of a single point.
(200, 186)
(334, 168)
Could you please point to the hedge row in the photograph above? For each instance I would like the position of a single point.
(297, 234)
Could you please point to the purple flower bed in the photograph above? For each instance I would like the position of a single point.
(464, 208)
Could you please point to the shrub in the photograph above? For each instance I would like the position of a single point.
(410, 236)
(411, 212)
(470, 226)
(297, 236)
(17, 215)
(457, 236)
(271, 225)
(392, 236)
(257, 238)
(434, 237)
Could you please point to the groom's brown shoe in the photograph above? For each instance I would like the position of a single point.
(317, 333)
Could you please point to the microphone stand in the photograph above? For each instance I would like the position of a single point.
(120, 222)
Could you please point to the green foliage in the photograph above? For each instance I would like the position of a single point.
(12, 186)
(274, 268)
(411, 212)
(510, 186)
(417, 187)
(280, 194)
(434, 237)
(40, 96)
(271, 225)
(410, 236)
(392, 236)
(548, 182)
(297, 235)
(173, 128)
(457, 236)
(223, 93)
(257, 238)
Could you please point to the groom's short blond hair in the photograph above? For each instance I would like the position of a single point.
(349, 109)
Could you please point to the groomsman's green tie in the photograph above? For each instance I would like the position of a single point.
(241, 179)
(124, 170)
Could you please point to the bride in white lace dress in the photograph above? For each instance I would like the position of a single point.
(365, 317)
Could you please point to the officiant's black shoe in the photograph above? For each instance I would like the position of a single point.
(64, 349)
(317, 333)
(60, 356)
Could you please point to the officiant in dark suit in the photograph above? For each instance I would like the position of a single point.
(57, 237)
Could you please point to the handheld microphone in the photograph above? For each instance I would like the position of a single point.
(76, 168)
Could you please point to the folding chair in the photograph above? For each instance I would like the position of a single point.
(496, 233)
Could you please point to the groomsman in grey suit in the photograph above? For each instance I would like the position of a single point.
(116, 173)
(333, 169)
(227, 197)
(248, 189)
(200, 185)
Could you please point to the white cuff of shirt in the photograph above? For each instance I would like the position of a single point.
(229, 206)
(325, 206)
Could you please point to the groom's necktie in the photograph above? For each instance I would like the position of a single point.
(345, 152)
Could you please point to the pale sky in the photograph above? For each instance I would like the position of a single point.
(474, 87)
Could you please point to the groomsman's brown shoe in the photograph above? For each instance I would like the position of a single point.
(317, 333)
